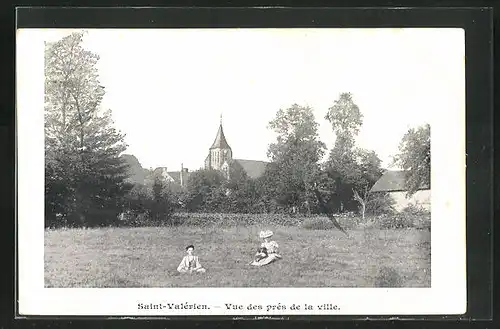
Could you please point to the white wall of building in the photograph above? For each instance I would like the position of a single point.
(420, 198)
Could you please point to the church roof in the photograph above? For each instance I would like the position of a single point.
(253, 168)
(220, 140)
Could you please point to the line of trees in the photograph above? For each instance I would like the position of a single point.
(86, 179)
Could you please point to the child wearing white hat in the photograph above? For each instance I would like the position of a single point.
(270, 246)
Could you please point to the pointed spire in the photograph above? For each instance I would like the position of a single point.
(220, 139)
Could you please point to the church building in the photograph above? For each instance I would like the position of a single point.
(220, 157)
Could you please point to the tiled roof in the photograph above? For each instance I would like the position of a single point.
(253, 168)
(392, 181)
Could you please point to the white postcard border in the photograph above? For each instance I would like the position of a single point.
(447, 294)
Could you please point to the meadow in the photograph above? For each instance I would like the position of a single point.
(313, 256)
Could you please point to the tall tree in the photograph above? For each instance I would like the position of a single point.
(354, 170)
(84, 173)
(295, 155)
(415, 157)
(204, 190)
(365, 174)
(240, 190)
(161, 205)
(346, 120)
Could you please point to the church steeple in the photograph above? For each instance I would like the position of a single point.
(220, 140)
(220, 152)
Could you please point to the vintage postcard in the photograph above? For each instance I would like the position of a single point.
(260, 172)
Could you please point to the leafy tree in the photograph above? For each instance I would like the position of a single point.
(203, 189)
(138, 198)
(341, 167)
(85, 178)
(353, 170)
(161, 207)
(177, 195)
(415, 157)
(266, 200)
(239, 190)
(346, 120)
(295, 156)
(365, 172)
(378, 203)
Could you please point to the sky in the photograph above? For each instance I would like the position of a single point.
(168, 88)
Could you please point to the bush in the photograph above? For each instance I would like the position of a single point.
(397, 221)
(421, 216)
(410, 217)
(149, 206)
(380, 204)
(415, 210)
(388, 277)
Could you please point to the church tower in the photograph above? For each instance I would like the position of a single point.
(220, 152)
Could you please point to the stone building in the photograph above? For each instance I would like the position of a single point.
(220, 157)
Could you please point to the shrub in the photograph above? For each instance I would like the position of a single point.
(410, 217)
(396, 221)
(149, 206)
(421, 216)
(380, 204)
(388, 277)
(415, 210)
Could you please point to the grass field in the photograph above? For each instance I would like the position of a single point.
(148, 257)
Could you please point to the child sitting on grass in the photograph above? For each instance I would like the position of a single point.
(261, 254)
(271, 248)
(190, 263)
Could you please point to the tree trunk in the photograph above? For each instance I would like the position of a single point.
(362, 202)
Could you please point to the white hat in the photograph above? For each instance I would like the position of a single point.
(265, 234)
